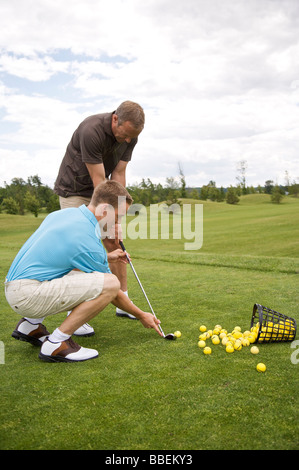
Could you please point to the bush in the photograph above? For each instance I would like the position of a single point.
(276, 194)
(10, 206)
(231, 196)
(31, 203)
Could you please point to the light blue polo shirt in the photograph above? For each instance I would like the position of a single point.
(66, 239)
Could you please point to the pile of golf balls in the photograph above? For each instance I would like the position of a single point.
(232, 341)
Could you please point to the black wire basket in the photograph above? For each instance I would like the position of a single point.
(270, 326)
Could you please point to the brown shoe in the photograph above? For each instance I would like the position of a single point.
(34, 334)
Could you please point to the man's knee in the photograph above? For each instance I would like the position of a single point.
(111, 285)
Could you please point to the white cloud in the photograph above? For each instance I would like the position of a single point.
(34, 68)
(40, 120)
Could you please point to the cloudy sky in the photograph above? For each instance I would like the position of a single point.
(218, 80)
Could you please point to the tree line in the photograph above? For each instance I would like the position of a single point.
(32, 195)
(175, 190)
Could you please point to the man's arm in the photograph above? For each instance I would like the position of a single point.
(119, 173)
(97, 172)
(147, 319)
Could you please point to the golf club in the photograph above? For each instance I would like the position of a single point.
(170, 336)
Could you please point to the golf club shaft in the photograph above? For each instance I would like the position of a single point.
(141, 287)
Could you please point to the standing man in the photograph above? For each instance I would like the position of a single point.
(100, 148)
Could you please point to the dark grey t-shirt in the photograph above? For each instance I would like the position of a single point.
(92, 142)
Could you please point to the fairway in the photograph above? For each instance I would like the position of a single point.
(144, 393)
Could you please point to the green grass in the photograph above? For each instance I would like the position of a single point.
(146, 393)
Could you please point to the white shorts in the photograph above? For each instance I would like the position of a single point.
(36, 299)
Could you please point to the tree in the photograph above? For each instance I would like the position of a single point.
(31, 203)
(194, 194)
(212, 190)
(287, 180)
(276, 194)
(53, 204)
(183, 182)
(294, 189)
(42, 196)
(231, 196)
(259, 189)
(220, 195)
(269, 184)
(2, 195)
(10, 205)
(17, 190)
(172, 191)
(34, 181)
(42, 192)
(204, 192)
(242, 167)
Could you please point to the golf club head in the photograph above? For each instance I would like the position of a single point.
(170, 336)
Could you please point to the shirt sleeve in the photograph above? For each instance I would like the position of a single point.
(91, 261)
(91, 145)
(127, 155)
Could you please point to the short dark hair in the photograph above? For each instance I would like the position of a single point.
(108, 192)
(130, 111)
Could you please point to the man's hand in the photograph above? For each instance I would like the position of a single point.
(149, 321)
(117, 256)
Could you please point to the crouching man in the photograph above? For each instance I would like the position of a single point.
(63, 266)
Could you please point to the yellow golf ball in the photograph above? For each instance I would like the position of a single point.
(202, 328)
(237, 334)
(215, 339)
(178, 334)
(238, 345)
(261, 367)
(203, 336)
(207, 350)
(229, 348)
(251, 338)
(201, 343)
(216, 331)
(254, 350)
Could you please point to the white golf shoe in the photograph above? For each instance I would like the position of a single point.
(122, 313)
(65, 351)
(31, 333)
(84, 330)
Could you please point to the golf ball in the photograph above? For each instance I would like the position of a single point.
(202, 328)
(178, 334)
(201, 344)
(229, 348)
(207, 350)
(215, 339)
(254, 350)
(261, 367)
